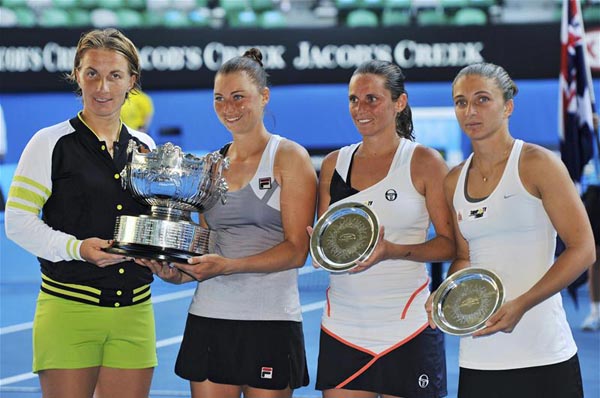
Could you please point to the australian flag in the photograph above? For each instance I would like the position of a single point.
(577, 95)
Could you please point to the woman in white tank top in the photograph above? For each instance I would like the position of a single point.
(509, 198)
(375, 340)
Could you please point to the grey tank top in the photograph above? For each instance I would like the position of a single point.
(249, 223)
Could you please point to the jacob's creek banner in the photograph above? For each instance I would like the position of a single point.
(38, 59)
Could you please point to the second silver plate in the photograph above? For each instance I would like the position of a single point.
(466, 300)
(344, 235)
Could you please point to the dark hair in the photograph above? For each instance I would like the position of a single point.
(251, 63)
(109, 39)
(394, 82)
(491, 71)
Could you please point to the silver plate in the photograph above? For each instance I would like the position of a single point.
(346, 234)
(466, 300)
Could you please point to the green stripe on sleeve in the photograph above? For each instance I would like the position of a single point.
(69, 249)
(72, 249)
(27, 195)
(21, 206)
(76, 248)
(29, 181)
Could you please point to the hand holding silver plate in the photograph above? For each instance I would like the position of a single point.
(173, 184)
(466, 300)
(344, 235)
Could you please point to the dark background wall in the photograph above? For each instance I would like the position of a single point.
(314, 115)
(309, 70)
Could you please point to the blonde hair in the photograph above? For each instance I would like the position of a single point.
(109, 39)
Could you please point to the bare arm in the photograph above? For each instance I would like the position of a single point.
(296, 176)
(324, 196)
(462, 258)
(568, 216)
(327, 170)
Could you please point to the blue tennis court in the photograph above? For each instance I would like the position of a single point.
(19, 285)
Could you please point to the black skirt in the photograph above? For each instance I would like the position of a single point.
(415, 369)
(268, 355)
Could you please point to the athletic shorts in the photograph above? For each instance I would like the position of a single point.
(261, 354)
(415, 369)
(591, 199)
(72, 335)
(561, 380)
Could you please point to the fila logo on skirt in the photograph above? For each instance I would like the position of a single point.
(266, 372)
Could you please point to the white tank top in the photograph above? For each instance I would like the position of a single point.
(383, 307)
(510, 234)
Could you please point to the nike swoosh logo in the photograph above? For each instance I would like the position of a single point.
(510, 195)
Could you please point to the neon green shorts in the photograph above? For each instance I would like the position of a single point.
(72, 335)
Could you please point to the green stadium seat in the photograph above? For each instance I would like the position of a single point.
(54, 18)
(152, 18)
(25, 17)
(261, 5)
(395, 17)
(347, 4)
(470, 16)
(234, 5)
(89, 4)
(129, 18)
(272, 19)
(485, 3)
(454, 3)
(591, 13)
(80, 17)
(176, 19)
(427, 17)
(136, 4)
(242, 19)
(111, 4)
(362, 18)
(14, 3)
(65, 4)
(371, 4)
(404, 4)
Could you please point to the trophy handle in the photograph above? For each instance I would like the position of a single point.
(131, 145)
(223, 188)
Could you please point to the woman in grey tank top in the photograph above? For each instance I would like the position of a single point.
(244, 329)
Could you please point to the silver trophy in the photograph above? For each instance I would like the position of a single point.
(174, 184)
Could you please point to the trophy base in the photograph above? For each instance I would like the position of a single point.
(159, 239)
(150, 252)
